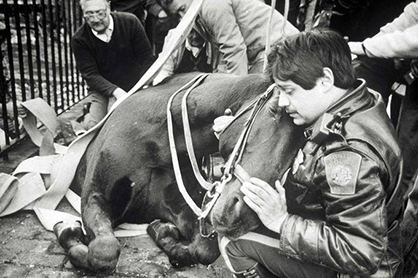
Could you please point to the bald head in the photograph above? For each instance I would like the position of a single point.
(83, 3)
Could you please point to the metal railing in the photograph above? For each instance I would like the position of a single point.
(37, 59)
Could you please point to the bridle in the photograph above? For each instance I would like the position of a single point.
(232, 167)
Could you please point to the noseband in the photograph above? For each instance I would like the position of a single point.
(232, 168)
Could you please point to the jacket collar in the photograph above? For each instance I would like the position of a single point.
(355, 99)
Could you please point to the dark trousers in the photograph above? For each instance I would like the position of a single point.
(253, 248)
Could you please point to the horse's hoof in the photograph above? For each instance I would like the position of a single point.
(153, 228)
(175, 263)
(179, 263)
(78, 256)
(158, 230)
(103, 254)
(69, 234)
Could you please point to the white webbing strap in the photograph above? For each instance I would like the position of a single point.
(189, 143)
(174, 158)
(47, 202)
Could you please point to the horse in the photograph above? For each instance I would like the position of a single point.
(126, 173)
(266, 152)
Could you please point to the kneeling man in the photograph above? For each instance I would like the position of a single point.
(338, 213)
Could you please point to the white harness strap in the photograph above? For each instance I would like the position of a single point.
(189, 143)
(44, 205)
(174, 158)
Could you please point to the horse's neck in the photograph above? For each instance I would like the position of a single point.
(210, 101)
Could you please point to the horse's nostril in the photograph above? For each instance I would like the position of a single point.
(237, 204)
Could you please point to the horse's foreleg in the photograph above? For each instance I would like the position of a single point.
(99, 250)
(102, 252)
(103, 248)
(71, 237)
(168, 238)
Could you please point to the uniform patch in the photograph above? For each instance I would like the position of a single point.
(342, 170)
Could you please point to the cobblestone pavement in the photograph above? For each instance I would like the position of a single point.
(28, 250)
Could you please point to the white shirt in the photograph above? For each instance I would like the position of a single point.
(105, 36)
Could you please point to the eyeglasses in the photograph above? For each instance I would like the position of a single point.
(101, 14)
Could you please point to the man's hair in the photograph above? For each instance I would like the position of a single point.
(301, 58)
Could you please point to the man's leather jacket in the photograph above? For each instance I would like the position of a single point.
(344, 198)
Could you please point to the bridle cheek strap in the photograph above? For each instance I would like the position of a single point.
(241, 174)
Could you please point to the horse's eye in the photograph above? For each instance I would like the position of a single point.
(272, 108)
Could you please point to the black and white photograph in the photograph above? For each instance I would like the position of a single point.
(209, 138)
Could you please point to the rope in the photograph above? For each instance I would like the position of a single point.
(269, 27)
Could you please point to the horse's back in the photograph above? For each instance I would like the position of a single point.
(143, 113)
(135, 135)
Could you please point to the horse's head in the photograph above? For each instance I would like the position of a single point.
(269, 147)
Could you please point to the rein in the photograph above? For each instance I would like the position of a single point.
(232, 168)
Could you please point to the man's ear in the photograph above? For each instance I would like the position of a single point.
(327, 81)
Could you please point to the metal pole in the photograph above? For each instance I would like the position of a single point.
(37, 49)
(45, 45)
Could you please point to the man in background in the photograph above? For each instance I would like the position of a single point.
(112, 53)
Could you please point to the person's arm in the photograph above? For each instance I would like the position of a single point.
(219, 18)
(141, 46)
(397, 39)
(172, 62)
(352, 239)
(398, 44)
(154, 8)
(407, 19)
(87, 66)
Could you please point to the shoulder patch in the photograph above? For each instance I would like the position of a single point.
(342, 170)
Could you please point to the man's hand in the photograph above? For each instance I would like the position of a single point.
(220, 123)
(269, 204)
(162, 14)
(118, 93)
(355, 48)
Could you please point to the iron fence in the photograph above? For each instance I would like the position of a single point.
(37, 59)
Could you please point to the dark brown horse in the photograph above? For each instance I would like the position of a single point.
(272, 142)
(126, 174)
